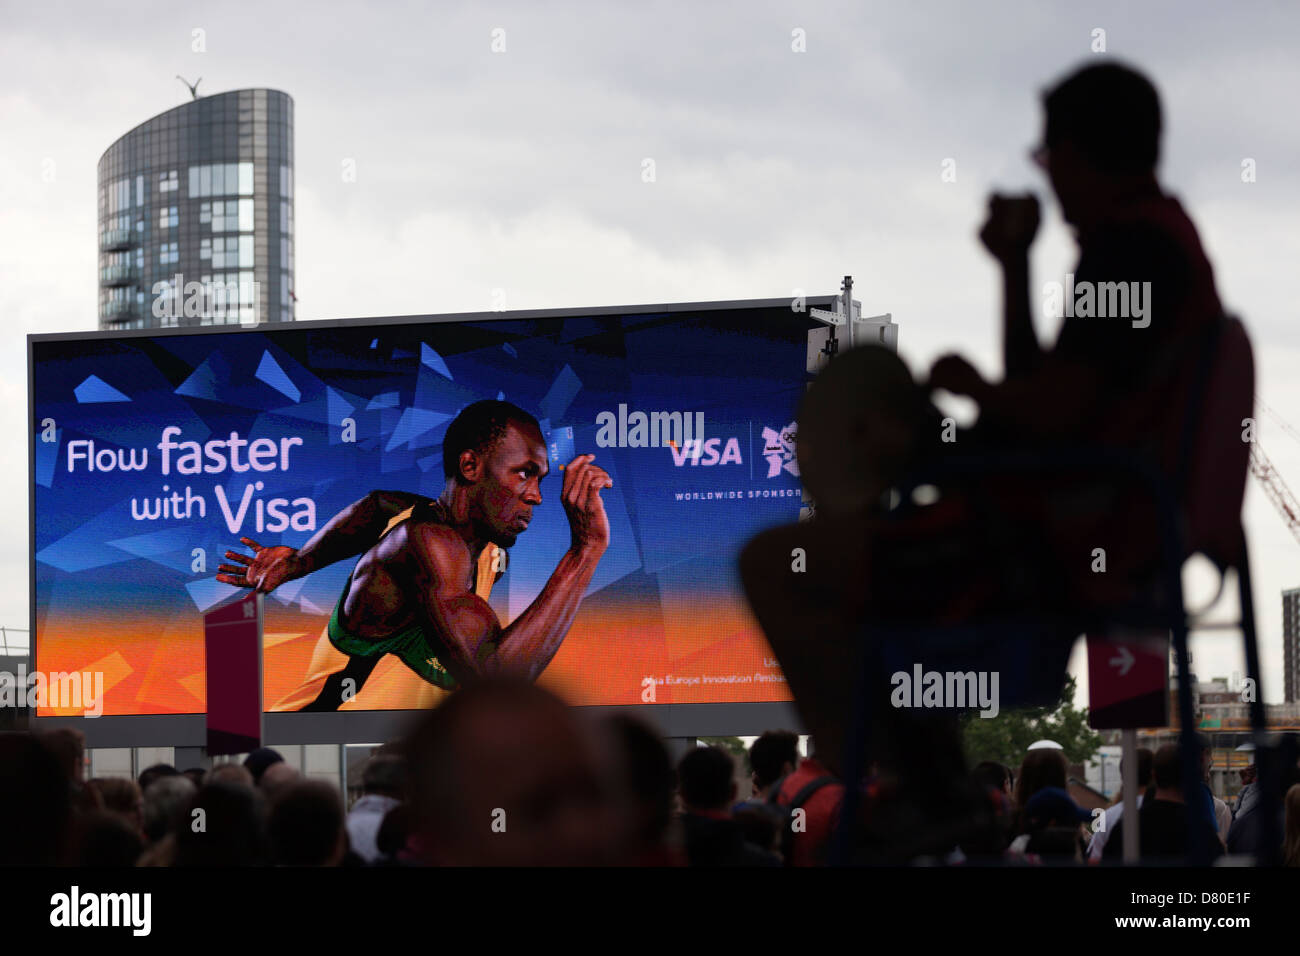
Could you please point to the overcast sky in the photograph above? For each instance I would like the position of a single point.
(775, 170)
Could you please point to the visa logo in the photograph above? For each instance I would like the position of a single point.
(707, 452)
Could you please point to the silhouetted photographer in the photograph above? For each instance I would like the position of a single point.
(1141, 317)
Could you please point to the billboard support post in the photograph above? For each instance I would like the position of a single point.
(1128, 784)
(1128, 688)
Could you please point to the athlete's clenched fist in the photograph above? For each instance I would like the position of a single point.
(588, 523)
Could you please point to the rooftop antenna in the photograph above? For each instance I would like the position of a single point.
(193, 87)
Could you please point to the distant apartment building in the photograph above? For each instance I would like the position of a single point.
(196, 215)
(1291, 646)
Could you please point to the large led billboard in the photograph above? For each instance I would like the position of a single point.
(155, 452)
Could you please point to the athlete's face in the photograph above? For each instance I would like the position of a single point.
(510, 487)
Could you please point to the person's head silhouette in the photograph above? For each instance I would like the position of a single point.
(860, 426)
(1101, 139)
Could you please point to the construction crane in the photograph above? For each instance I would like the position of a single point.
(1270, 479)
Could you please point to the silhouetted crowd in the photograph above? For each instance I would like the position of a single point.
(506, 774)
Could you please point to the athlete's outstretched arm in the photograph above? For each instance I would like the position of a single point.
(352, 531)
(467, 624)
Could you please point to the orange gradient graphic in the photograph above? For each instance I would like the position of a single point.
(610, 656)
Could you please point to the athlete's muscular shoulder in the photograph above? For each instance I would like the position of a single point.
(436, 554)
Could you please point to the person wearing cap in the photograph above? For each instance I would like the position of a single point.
(1053, 820)
(1249, 792)
(382, 784)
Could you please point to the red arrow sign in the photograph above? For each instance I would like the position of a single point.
(1128, 680)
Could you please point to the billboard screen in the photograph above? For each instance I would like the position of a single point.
(155, 453)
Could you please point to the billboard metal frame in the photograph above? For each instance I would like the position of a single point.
(371, 726)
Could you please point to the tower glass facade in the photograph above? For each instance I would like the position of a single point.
(196, 216)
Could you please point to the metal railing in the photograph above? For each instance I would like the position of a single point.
(118, 275)
(117, 307)
(11, 646)
(114, 238)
